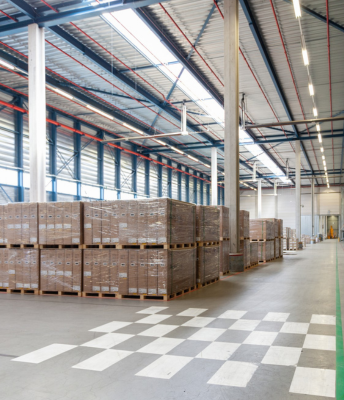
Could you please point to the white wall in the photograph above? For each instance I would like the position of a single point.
(326, 202)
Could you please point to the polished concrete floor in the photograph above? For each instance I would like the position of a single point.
(268, 333)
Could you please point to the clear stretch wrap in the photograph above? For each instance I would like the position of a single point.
(244, 222)
(275, 226)
(280, 227)
(19, 268)
(224, 255)
(224, 222)
(261, 229)
(277, 247)
(253, 253)
(60, 223)
(265, 250)
(61, 270)
(208, 263)
(139, 272)
(133, 222)
(286, 233)
(245, 250)
(18, 223)
(207, 223)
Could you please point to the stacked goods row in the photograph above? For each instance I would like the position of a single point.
(266, 250)
(208, 244)
(18, 223)
(244, 224)
(261, 230)
(293, 245)
(139, 222)
(147, 272)
(19, 269)
(245, 250)
(224, 240)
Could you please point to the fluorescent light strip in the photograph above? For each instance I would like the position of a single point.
(176, 150)
(305, 57)
(132, 128)
(318, 127)
(297, 8)
(322, 149)
(315, 112)
(62, 93)
(311, 89)
(320, 137)
(323, 157)
(100, 112)
(7, 65)
(192, 158)
(159, 141)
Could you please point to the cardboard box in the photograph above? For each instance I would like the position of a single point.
(207, 223)
(104, 261)
(33, 210)
(77, 270)
(113, 270)
(224, 222)
(10, 228)
(143, 272)
(106, 222)
(244, 222)
(17, 223)
(253, 253)
(224, 256)
(88, 268)
(133, 272)
(67, 222)
(2, 225)
(42, 223)
(25, 224)
(88, 231)
(208, 263)
(123, 260)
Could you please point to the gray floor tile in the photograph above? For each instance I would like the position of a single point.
(269, 326)
(289, 340)
(189, 348)
(249, 353)
(233, 336)
(317, 359)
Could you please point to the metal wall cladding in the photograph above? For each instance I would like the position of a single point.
(7, 138)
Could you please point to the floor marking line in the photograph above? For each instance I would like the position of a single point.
(339, 341)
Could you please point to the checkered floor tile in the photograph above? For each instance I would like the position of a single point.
(223, 338)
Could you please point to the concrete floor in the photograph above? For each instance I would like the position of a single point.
(298, 288)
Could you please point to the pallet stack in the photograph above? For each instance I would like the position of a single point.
(139, 248)
(244, 222)
(293, 245)
(224, 240)
(263, 232)
(280, 237)
(208, 244)
(253, 254)
(286, 238)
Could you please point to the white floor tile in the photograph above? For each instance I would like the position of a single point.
(295, 327)
(161, 346)
(103, 360)
(314, 381)
(151, 310)
(276, 317)
(218, 351)
(323, 319)
(158, 330)
(111, 327)
(199, 322)
(207, 334)
(232, 314)
(165, 367)
(245, 325)
(261, 338)
(192, 312)
(233, 373)
(153, 319)
(320, 342)
(107, 341)
(45, 353)
(277, 355)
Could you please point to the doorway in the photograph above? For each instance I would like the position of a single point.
(332, 227)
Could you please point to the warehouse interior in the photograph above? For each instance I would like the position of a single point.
(171, 199)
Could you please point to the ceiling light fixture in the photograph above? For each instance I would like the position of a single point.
(193, 158)
(315, 112)
(176, 150)
(325, 169)
(323, 157)
(305, 57)
(320, 137)
(311, 89)
(7, 65)
(318, 127)
(100, 112)
(132, 128)
(62, 93)
(322, 149)
(297, 8)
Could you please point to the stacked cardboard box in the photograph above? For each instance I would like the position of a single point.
(207, 223)
(60, 223)
(280, 228)
(277, 248)
(61, 270)
(262, 229)
(245, 250)
(224, 244)
(133, 222)
(208, 263)
(18, 223)
(274, 227)
(224, 222)
(244, 223)
(224, 256)
(293, 245)
(253, 253)
(19, 268)
(265, 250)
(139, 272)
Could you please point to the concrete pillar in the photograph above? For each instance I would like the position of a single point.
(231, 102)
(37, 113)
(214, 176)
(312, 206)
(298, 190)
(276, 199)
(259, 198)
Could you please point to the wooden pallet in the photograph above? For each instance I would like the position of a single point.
(208, 244)
(19, 291)
(211, 281)
(247, 267)
(225, 273)
(261, 240)
(59, 293)
(244, 237)
(60, 246)
(165, 297)
(254, 265)
(165, 246)
(19, 246)
(222, 239)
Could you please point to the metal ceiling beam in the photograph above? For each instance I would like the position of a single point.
(296, 122)
(269, 65)
(319, 16)
(52, 18)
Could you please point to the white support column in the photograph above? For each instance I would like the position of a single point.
(276, 198)
(214, 176)
(259, 198)
(231, 134)
(37, 113)
(298, 190)
(312, 195)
